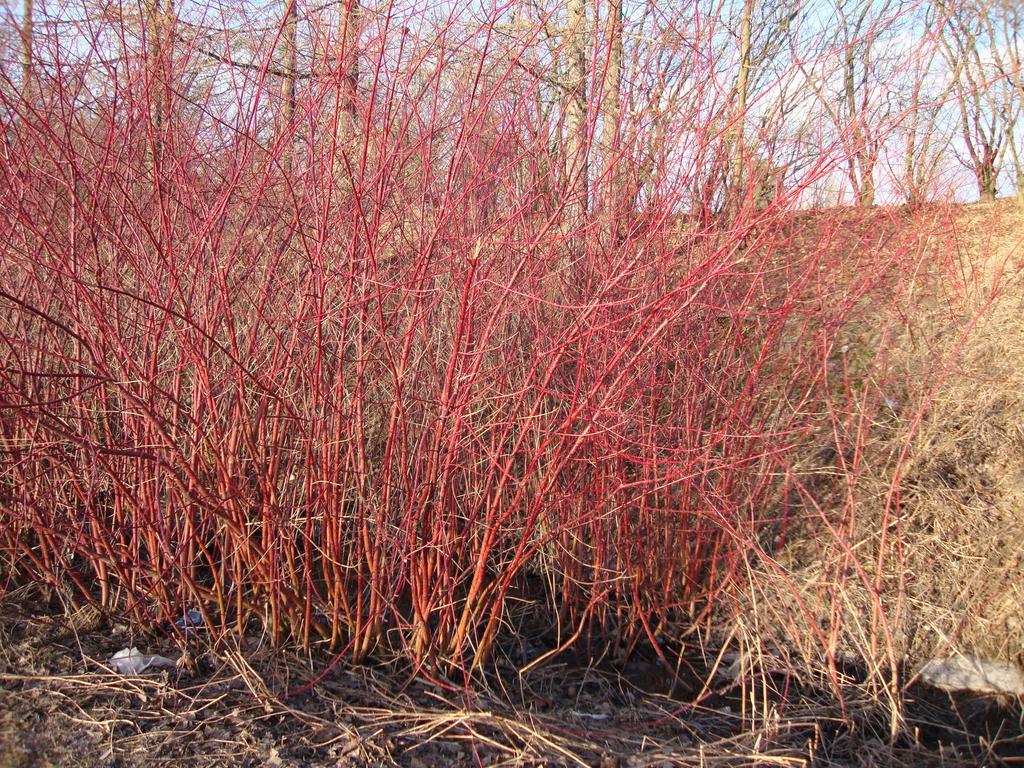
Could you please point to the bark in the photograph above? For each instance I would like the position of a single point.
(346, 127)
(348, 37)
(27, 34)
(611, 109)
(288, 81)
(576, 112)
(987, 175)
(742, 95)
(862, 163)
(866, 193)
(159, 32)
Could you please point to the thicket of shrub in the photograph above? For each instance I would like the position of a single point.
(370, 372)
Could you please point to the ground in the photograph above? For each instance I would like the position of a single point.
(61, 706)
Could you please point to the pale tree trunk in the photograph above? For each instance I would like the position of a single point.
(862, 165)
(346, 126)
(576, 113)
(1019, 168)
(27, 33)
(911, 153)
(987, 176)
(914, 151)
(348, 38)
(288, 84)
(611, 110)
(739, 160)
(1013, 34)
(159, 29)
(866, 193)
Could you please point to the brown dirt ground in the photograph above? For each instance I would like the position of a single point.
(61, 706)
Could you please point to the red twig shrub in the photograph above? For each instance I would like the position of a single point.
(367, 384)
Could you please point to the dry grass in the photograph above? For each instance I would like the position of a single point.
(964, 478)
(913, 540)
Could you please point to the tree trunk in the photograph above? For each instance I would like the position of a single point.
(611, 109)
(288, 40)
(739, 160)
(346, 126)
(159, 16)
(866, 190)
(348, 38)
(26, 45)
(576, 113)
(864, 175)
(987, 182)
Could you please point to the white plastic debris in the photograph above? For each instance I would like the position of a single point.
(589, 715)
(970, 673)
(128, 661)
(734, 671)
(190, 620)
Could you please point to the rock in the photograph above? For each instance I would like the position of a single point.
(970, 673)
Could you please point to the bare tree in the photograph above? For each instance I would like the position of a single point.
(857, 93)
(159, 22)
(348, 61)
(577, 166)
(289, 30)
(742, 92)
(611, 112)
(1004, 23)
(984, 121)
(27, 34)
(924, 141)
(858, 112)
(760, 40)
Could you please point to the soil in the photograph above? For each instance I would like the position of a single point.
(61, 705)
